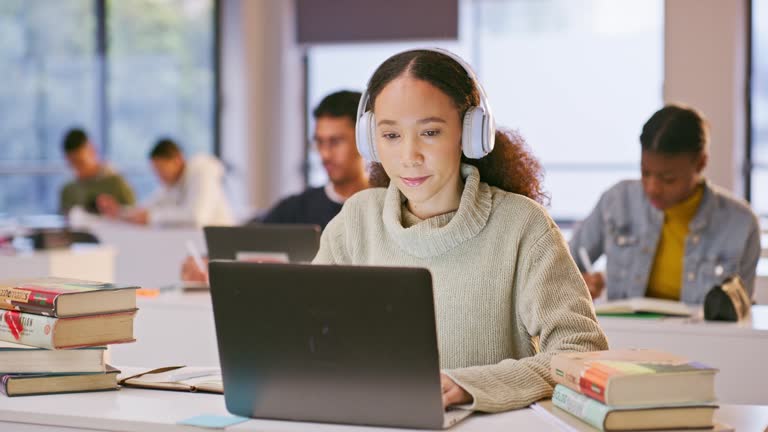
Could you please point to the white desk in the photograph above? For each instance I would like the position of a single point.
(178, 329)
(80, 262)
(172, 329)
(150, 257)
(154, 410)
(738, 350)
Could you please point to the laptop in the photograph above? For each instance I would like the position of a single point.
(333, 344)
(263, 242)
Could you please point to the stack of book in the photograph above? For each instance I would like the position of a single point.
(53, 333)
(624, 390)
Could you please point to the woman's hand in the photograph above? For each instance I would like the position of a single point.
(453, 394)
(595, 283)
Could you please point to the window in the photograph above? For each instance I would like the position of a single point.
(759, 97)
(159, 81)
(47, 65)
(577, 78)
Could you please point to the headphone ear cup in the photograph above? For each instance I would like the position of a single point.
(489, 134)
(364, 137)
(473, 135)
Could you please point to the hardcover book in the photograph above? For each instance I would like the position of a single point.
(64, 297)
(15, 358)
(641, 417)
(634, 377)
(570, 423)
(57, 333)
(38, 384)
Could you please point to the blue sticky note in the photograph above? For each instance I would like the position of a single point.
(212, 421)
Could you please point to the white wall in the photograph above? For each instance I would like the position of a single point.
(262, 113)
(705, 66)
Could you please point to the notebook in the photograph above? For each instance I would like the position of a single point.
(643, 305)
(179, 378)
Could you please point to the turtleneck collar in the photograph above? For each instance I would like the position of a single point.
(439, 234)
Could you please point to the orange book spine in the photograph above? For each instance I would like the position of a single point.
(590, 380)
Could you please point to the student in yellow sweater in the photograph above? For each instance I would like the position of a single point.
(672, 234)
(508, 296)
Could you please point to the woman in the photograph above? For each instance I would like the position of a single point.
(507, 293)
(672, 234)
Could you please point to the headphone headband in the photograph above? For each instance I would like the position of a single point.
(472, 76)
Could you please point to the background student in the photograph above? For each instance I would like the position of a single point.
(507, 293)
(192, 193)
(334, 138)
(672, 234)
(92, 176)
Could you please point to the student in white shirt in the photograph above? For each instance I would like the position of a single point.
(192, 193)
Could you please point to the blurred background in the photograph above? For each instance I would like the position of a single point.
(238, 79)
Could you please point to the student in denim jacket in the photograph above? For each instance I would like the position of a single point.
(672, 234)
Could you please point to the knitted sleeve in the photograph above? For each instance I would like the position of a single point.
(333, 243)
(553, 304)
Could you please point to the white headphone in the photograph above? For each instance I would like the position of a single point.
(478, 133)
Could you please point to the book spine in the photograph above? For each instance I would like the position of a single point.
(27, 329)
(4, 384)
(593, 382)
(586, 409)
(578, 377)
(30, 300)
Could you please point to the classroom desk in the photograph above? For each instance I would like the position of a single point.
(738, 350)
(79, 262)
(171, 329)
(178, 329)
(153, 410)
(149, 257)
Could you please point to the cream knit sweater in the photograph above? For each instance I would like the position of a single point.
(507, 292)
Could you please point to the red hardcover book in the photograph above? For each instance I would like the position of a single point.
(64, 297)
(634, 377)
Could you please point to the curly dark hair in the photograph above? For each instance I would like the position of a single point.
(510, 166)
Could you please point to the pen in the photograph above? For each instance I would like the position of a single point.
(192, 250)
(585, 261)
